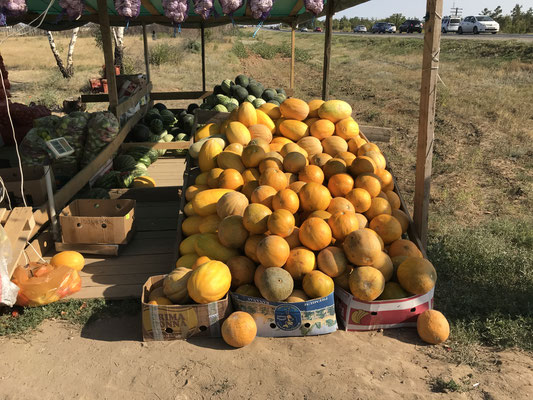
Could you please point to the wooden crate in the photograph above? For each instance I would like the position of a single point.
(18, 224)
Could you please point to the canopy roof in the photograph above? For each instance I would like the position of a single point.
(287, 11)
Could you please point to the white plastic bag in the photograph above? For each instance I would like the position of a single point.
(8, 290)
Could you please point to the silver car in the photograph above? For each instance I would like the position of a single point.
(450, 24)
(478, 24)
(359, 29)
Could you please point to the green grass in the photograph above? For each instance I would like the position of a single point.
(78, 312)
(485, 282)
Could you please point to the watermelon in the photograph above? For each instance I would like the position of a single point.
(233, 100)
(218, 90)
(222, 99)
(139, 166)
(137, 152)
(280, 98)
(274, 102)
(151, 115)
(124, 162)
(249, 98)
(281, 91)
(126, 179)
(159, 107)
(153, 154)
(182, 136)
(167, 138)
(258, 103)
(156, 126)
(155, 138)
(255, 89)
(220, 108)
(188, 122)
(94, 193)
(211, 100)
(145, 160)
(234, 89)
(205, 106)
(140, 133)
(168, 121)
(225, 86)
(109, 180)
(269, 94)
(241, 94)
(192, 107)
(242, 80)
(231, 106)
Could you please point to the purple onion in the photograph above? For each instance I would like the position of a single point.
(13, 8)
(230, 6)
(73, 8)
(203, 8)
(128, 8)
(314, 6)
(261, 8)
(176, 10)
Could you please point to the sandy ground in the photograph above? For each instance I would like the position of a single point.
(108, 360)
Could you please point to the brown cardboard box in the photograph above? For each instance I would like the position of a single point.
(178, 322)
(97, 221)
(34, 185)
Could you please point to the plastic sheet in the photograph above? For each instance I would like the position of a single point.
(8, 290)
(42, 283)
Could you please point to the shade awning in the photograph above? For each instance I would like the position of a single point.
(286, 11)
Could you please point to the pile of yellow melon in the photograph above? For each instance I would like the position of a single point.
(290, 201)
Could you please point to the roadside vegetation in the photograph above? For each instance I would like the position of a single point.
(481, 235)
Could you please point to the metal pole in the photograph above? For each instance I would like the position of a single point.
(327, 48)
(51, 203)
(146, 54)
(293, 40)
(202, 31)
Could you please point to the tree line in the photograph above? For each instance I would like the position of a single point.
(518, 21)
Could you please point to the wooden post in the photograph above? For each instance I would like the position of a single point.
(105, 29)
(293, 43)
(202, 31)
(327, 48)
(146, 53)
(426, 123)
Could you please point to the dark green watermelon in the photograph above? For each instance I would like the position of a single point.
(157, 126)
(141, 133)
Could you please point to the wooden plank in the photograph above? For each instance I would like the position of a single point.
(4, 212)
(146, 52)
(40, 246)
(95, 98)
(156, 195)
(297, 7)
(126, 260)
(110, 292)
(150, 7)
(114, 270)
(100, 249)
(158, 145)
(327, 49)
(90, 9)
(376, 133)
(293, 44)
(107, 44)
(63, 196)
(202, 35)
(426, 124)
(133, 100)
(18, 229)
(192, 95)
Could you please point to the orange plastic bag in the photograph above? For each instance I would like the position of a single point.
(42, 283)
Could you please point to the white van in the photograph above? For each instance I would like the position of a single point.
(450, 24)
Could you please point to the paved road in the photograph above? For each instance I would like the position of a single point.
(453, 36)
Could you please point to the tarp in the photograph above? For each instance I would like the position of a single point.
(286, 11)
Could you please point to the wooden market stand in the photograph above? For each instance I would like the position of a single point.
(153, 249)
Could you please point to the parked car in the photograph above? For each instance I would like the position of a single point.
(304, 29)
(478, 24)
(359, 28)
(450, 24)
(391, 28)
(318, 29)
(411, 25)
(379, 27)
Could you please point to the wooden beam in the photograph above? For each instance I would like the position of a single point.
(158, 145)
(327, 49)
(297, 7)
(293, 44)
(202, 32)
(180, 95)
(90, 9)
(426, 124)
(18, 229)
(146, 54)
(376, 133)
(107, 43)
(150, 7)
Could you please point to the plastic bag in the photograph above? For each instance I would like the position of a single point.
(33, 149)
(73, 128)
(8, 290)
(42, 283)
(102, 129)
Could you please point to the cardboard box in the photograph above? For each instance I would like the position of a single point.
(97, 221)
(308, 318)
(357, 315)
(34, 185)
(178, 322)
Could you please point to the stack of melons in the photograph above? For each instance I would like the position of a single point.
(292, 199)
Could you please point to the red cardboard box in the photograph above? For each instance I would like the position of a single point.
(357, 315)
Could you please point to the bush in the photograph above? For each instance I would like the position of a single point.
(268, 52)
(193, 46)
(164, 53)
(239, 50)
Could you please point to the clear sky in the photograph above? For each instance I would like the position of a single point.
(417, 8)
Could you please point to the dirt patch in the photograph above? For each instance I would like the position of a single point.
(107, 360)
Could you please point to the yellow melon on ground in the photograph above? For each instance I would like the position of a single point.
(433, 327)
